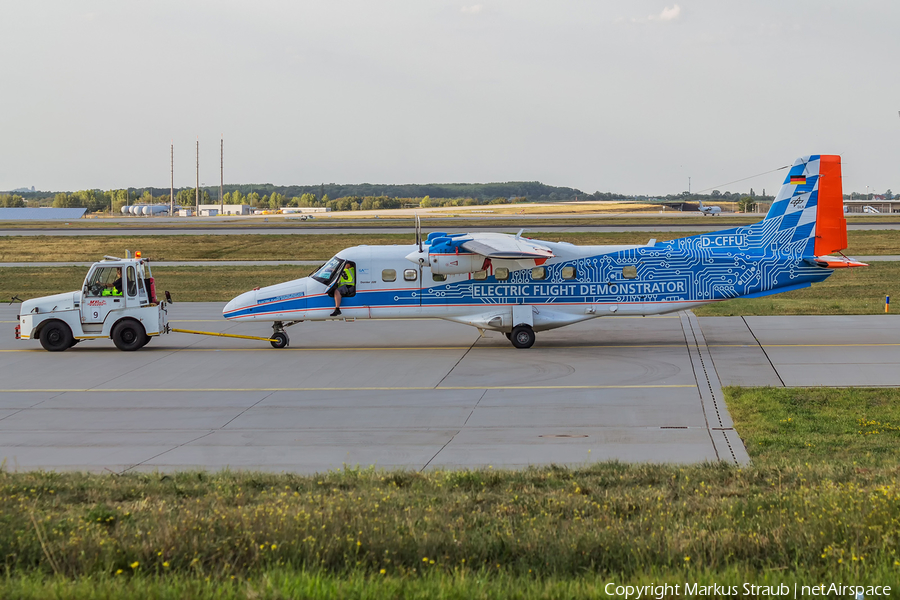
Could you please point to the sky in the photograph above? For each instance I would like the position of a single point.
(632, 96)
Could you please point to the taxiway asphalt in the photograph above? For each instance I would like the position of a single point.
(416, 394)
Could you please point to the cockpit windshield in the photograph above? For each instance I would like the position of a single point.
(328, 271)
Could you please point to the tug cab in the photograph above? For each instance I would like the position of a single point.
(117, 300)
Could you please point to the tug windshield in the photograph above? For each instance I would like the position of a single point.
(328, 271)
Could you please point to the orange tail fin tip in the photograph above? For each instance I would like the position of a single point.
(831, 226)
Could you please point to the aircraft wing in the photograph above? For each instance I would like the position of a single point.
(505, 246)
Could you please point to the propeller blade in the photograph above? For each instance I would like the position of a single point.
(419, 232)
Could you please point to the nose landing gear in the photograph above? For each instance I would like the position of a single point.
(279, 335)
(280, 340)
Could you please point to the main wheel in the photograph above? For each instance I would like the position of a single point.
(128, 335)
(522, 336)
(281, 340)
(56, 336)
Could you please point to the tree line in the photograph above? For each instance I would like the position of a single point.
(113, 200)
(11, 201)
(367, 196)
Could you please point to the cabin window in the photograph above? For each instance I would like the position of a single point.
(409, 275)
(629, 272)
(438, 277)
(539, 273)
(102, 279)
(130, 284)
(328, 271)
(480, 274)
(389, 275)
(568, 272)
(501, 273)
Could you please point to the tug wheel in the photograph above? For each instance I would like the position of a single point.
(281, 340)
(56, 337)
(128, 335)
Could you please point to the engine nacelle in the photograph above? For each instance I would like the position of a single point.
(456, 264)
(449, 263)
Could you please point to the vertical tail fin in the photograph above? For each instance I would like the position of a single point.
(810, 205)
(831, 226)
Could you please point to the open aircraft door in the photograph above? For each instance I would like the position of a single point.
(421, 261)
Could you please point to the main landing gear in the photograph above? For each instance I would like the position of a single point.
(522, 336)
(280, 337)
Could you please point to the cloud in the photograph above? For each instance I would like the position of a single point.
(667, 14)
(472, 10)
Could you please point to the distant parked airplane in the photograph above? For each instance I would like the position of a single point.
(709, 210)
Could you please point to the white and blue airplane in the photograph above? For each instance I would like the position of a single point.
(518, 286)
(710, 210)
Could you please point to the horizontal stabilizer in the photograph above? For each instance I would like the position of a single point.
(837, 262)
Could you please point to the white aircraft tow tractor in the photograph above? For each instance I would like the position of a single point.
(117, 300)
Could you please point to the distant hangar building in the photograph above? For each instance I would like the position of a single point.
(41, 214)
(875, 205)
(212, 210)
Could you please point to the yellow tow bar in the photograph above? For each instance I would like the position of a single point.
(230, 335)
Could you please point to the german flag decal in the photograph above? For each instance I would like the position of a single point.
(798, 179)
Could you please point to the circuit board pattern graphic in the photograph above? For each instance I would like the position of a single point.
(773, 254)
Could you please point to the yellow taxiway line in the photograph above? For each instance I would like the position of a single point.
(502, 347)
(362, 349)
(799, 345)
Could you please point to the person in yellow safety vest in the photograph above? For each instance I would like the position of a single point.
(348, 280)
(114, 288)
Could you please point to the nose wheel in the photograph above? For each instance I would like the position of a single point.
(280, 337)
(280, 340)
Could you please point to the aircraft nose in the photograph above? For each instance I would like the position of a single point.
(236, 304)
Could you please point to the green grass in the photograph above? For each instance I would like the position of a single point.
(821, 502)
(187, 284)
(455, 218)
(243, 247)
(488, 585)
(853, 426)
(317, 247)
(614, 520)
(188, 247)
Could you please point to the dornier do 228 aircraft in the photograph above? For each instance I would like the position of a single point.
(518, 286)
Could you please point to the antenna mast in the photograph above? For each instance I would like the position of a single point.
(172, 179)
(197, 186)
(222, 175)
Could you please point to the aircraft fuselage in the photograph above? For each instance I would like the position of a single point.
(578, 283)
